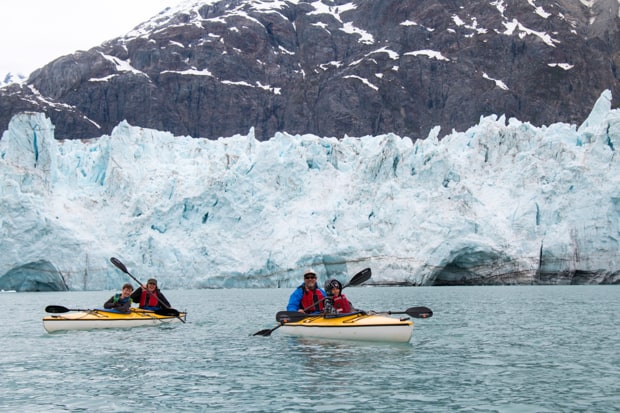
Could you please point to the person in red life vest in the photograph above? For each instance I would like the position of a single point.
(336, 302)
(149, 297)
(307, 298)
(120, 302)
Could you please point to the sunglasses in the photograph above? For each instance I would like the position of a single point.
(309, 277)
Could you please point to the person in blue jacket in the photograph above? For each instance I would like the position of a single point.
(120, 301)
(307, 298)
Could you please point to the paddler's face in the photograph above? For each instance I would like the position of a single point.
(151, 287)
(126, 292)
(310, 281)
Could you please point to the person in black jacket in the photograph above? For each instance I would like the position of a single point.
(149, 297)
(120, 301)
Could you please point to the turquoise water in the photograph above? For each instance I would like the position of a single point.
(486, 349)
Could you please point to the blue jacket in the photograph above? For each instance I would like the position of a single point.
(294, 301)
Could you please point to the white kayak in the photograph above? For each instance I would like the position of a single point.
(95, 319)
(354, 326)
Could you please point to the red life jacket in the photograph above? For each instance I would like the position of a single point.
(152, 299)
(341, 304)
(311, 297)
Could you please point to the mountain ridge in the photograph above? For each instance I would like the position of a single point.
(332, 68)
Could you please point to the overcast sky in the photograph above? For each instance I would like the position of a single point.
(35, 32)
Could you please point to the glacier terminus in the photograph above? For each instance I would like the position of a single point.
(502, 203)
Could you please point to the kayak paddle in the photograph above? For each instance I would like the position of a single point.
(57, 309)
(415, 312)
(293, 316)
(122, 267)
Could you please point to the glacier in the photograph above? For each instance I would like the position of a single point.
(504, 202)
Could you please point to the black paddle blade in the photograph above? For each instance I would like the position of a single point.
(119, 264)
(290, 316)
(169, 312)
(419, 312)
(56, 309)
(360, 278)
(282, 317)
(265, 333)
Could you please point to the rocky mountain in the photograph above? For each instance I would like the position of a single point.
(333, 68)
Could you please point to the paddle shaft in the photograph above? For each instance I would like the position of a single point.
(294, 316)
(118, 264)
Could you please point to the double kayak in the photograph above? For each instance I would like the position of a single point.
(358, 325)
(99, 318)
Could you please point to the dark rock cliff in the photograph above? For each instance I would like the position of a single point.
(333, 68)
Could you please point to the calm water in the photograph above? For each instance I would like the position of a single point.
(486, 349)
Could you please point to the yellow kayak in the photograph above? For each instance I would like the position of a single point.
(98, 318)
(354, 326)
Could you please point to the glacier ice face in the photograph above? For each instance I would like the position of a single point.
(503, 202)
